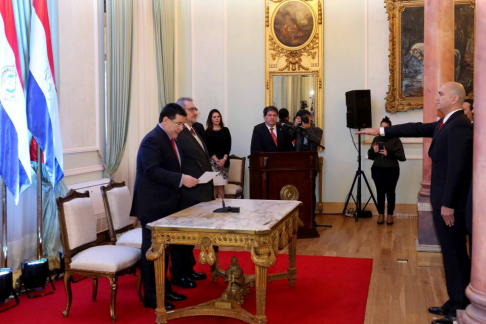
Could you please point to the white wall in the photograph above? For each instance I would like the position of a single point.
(226, 45)
(80, 88)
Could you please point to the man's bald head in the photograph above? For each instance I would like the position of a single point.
(450, 97)
(456, 89)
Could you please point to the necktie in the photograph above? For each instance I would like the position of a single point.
(175, 150)
(441, 124)
(273, 136)
(197, 138)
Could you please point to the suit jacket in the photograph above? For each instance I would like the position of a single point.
(262, 141)
(196, 162)
(199, 129)
(451, 154)
(156, 192)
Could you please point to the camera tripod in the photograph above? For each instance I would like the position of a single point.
(357, 179)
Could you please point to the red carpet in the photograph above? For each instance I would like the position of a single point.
(327, 290)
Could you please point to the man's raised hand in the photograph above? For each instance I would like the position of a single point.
(369, 131)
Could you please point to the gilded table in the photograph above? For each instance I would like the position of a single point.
(262, 227)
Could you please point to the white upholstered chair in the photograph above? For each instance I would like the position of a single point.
(84, 255)
(236, 177)
(118, 202)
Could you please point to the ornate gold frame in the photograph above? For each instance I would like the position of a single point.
(306, 59)
(395, 100)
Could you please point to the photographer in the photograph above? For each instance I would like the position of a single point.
(386, 152)
(303, 127)
(306, 138)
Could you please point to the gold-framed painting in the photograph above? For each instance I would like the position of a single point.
(406, 46)
(293, 56)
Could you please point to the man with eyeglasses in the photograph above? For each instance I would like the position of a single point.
(157, 191)
(196, 162)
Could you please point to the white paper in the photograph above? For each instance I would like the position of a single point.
(207, 176)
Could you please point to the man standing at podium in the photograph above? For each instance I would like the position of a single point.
(268, 136)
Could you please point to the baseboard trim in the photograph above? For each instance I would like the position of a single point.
(427, 247)
(401, 210)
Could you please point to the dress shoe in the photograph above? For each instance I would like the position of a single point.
(439, 310)
(184, 282)
(449, 319)
(381, 219)
(197, 276)
(153, 304)
(389, 220)
(173, 296)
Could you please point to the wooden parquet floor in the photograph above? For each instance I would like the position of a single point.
(400, 292)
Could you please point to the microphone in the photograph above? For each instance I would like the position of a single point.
(225, 209)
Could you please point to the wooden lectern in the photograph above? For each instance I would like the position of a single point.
(286, 176)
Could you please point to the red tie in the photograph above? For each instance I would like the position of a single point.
(273, 136)
(175, 150)
(193, 132)
(441, 124)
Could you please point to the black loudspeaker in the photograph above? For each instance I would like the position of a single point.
(358, 114)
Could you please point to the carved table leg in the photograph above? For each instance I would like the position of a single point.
(261, 293)
(215, 268)
(160, 312)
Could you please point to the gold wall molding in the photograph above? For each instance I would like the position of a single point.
(294, 47)
(396, 100)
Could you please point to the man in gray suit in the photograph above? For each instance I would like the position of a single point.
(196, 162)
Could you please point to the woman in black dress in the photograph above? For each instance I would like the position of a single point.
(218, 141)
(386, 152)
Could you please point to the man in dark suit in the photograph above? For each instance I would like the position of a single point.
(157, 190)
(268, 136)
(451, 154)
(199, 129)
(196, 162)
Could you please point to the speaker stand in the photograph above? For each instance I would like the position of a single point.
(357, 180)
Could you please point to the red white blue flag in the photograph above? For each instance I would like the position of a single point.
(42, 105)
(14, 138)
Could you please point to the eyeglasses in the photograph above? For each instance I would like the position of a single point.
(180, 125)
(193, 109)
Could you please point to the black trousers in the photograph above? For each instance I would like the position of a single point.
(183, 261)
(457, 264)
(385, 182)
(148, 269)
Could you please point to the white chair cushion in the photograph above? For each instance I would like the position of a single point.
(131, 238)
(234, 172)
(106, 258)
(80, 221)
(120, 203)
(232, 189)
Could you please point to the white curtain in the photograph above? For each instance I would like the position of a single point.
(22, 227)
(144, 113)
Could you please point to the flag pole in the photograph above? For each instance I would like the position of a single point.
(39, 202)
(4, 225)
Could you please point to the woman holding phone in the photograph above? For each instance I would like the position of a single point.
(386, 152)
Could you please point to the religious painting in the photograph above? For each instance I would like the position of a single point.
(293, 24)
(407, 51)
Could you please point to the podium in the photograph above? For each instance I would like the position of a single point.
(286, 176)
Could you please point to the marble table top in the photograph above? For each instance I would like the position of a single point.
(255, 216)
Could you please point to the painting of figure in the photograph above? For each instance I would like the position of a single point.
(412, 49)
(293, 24)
